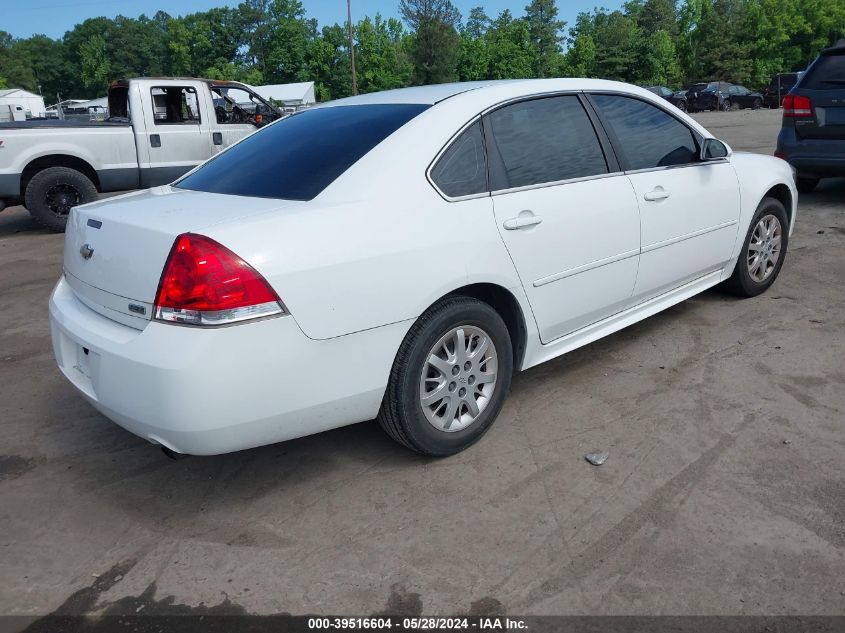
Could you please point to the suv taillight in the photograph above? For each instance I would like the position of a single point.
(204, 283)
(797, 107)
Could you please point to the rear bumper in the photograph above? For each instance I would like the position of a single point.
(209, 391)
(816, 158)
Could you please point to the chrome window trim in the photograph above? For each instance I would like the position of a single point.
(699, 138)
(554, 183)
(715, 161)
(478, 117)
(443, 150)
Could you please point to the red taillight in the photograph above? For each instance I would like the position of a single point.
(204, 283)
(797, 106)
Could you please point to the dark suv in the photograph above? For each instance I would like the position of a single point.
(812, 136)
(721, 95)
(778, 88)
(677, 99)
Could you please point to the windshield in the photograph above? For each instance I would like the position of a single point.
(298, 157)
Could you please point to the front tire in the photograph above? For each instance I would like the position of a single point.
(757, 104)
(450, 378)
(54, 191)
(763, 251)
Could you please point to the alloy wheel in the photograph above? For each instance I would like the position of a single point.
(764, 248)
(458, 378)
(61, 198)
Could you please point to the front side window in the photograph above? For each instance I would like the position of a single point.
(175, 104)
(297, 157)
(648, 136)
(542, 141)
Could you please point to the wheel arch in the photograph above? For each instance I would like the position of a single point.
(506, 304)
(782, 194)
(57, 160)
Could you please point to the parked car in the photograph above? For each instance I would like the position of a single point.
(721, 95)
(676, 98)
(157, 130)
(398, 255)
(812, 135)
(778, 88)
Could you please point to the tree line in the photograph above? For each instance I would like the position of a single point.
(665, 42)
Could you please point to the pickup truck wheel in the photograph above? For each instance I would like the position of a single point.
(53, 192)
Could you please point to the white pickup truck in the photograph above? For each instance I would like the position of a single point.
(157, 130)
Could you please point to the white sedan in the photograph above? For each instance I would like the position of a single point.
(399, 255)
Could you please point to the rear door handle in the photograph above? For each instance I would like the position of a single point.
(659, 193)
(521, 222)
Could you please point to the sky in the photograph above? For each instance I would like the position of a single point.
(23, 18)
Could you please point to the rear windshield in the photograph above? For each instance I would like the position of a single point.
(828, 73)
(296, 158)
(785, 80)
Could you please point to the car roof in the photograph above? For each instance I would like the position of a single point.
(433, 94)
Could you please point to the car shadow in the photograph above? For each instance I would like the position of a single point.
(18, 220)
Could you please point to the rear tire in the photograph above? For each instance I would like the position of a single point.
(763, 251)
(53, 192)
(806, 185)
(421, 386)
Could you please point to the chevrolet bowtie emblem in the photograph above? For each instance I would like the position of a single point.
(86, 251)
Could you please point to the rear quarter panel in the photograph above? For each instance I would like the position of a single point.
(109, 147)
(380, 245)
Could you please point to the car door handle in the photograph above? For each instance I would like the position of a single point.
(521, 222)
(656, 194)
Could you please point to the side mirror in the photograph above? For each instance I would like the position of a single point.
(713, 149)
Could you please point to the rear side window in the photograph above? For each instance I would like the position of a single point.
(828, 73)
(296, 158)
(462, 169)
(175, 105)
(649, 137)
(542, 141)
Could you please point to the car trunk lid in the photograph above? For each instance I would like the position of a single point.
(115, 250)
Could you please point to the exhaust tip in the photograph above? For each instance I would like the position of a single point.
(173, 454)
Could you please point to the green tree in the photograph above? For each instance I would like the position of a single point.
(435, 45)
(617, 40)
(511, 49)
(94, 62)
(545, 31)
(381, 61)
(581, 56)
(288, 42)
(661, 60)
(329, 64)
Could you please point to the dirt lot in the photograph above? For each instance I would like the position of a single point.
(724, 492)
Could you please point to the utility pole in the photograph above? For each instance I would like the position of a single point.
(351, 46)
